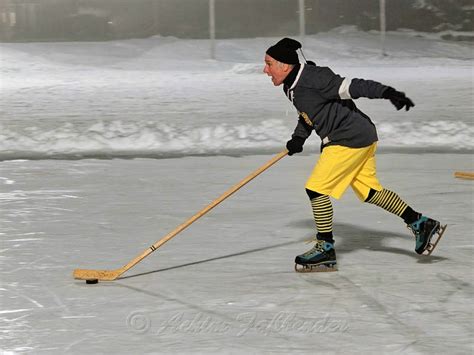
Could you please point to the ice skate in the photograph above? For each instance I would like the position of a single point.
(320, 258)
(424, 229)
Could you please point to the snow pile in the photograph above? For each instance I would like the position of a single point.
(162, 96)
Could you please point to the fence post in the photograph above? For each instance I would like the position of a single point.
(383, 27)
(301, 9)
(212, 28)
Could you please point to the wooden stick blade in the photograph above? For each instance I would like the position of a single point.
(464, 175)
(101, 275)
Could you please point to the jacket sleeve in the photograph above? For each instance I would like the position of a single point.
(302, 130)
(366, 88)
(327, 83)
(332, 86)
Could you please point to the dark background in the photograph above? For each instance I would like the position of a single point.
(96, 20)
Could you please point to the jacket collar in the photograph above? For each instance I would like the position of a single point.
(292, 79)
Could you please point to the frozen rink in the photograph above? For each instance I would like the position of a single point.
(226, 284)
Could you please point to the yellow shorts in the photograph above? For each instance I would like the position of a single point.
(338, 167)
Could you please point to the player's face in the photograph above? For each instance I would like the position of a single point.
(277, 70)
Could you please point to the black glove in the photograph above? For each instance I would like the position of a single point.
(295, 145)
(398, 99)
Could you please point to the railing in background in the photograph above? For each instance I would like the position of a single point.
(95, 20)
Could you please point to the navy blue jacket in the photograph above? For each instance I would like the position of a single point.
(323, 100)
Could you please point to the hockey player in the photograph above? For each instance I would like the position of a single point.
(324, 103)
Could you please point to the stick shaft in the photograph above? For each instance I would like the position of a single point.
(464, 175)
(202, 212)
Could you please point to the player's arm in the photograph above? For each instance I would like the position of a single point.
(356, 88)
(299, 136)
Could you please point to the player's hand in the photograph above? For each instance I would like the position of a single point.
(295, 145)
(398, 99)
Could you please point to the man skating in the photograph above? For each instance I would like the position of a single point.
(324, 103)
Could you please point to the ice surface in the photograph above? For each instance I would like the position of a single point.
(226, 284)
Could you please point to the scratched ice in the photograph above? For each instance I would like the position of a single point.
(226, 284)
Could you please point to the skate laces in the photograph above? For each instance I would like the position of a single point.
(314, 239)
(319, 246)
(415, 227)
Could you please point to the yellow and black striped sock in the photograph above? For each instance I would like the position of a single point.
(323, 213)
(388, 200)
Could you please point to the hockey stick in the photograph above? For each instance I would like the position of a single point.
(464, 175)
(110, 275)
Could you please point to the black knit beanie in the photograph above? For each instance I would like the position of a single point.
(285, 51)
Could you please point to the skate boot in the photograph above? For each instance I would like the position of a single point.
(320, 258)
(424, 229)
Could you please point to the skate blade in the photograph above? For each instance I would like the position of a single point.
(316, 268)
(431, 246)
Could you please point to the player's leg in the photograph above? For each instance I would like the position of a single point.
(422, 227)
(322, 255)
(331, 176)
(368, 189)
